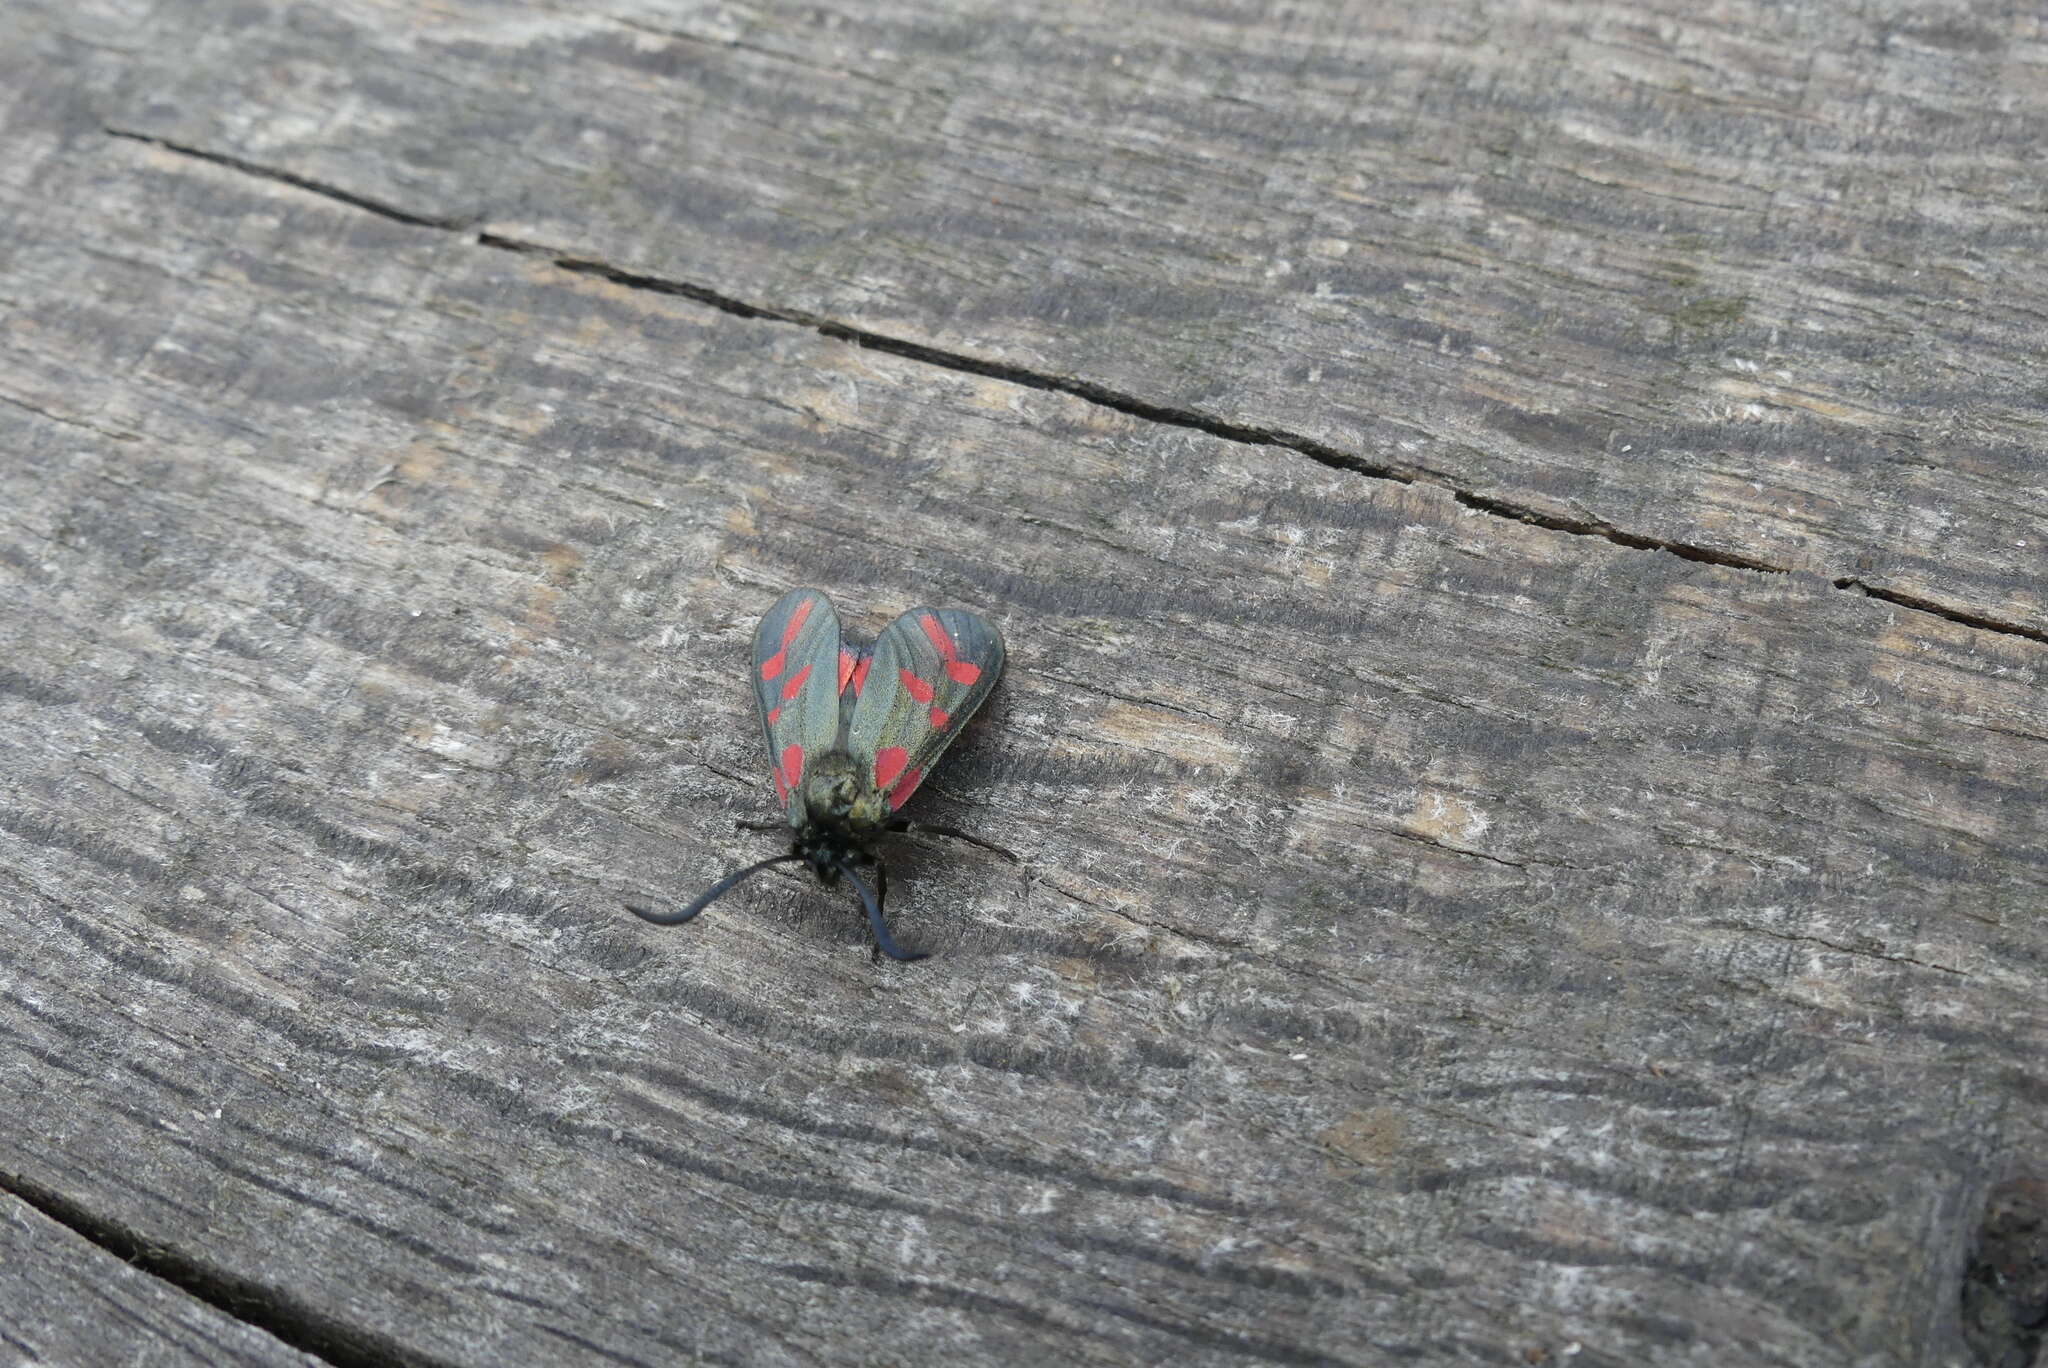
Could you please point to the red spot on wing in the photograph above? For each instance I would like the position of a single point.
(889, 762)
(796, 682)
(772, 666)
(958, 670)
(774, 713)
(792, 768)
(916, 687)
(939, 719)
(853, 668)
(781, 789)
(796, 621)
(905, 786)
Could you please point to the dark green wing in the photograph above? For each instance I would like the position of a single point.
(930, 670)
(796, 682)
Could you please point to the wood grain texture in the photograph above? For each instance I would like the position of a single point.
(1763, 281)
(68, 1302)
(1440, 937)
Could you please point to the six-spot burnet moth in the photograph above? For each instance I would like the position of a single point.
(851, 732)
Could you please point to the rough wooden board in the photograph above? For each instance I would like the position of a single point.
(1439, 936)
(1758, 279)
(64, 1301)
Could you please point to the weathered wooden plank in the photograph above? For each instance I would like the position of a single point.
(1439, 936)
(1762, 280)
(64, 1301)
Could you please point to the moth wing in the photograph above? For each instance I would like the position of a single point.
(930, 670)
(796, 682)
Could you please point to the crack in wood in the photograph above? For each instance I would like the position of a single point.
(1321, 452)
(1606, 531)
(1135, 700)
(1434, 844)
(271, 173)
(276, 1313)
(1957, 615)
(111, 434)
(1160, 928)
(1837, 946)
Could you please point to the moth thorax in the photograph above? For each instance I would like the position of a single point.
(837, 793)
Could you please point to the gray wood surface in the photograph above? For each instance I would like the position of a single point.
(1760, 281)
(68, 1302)
(1490, 892)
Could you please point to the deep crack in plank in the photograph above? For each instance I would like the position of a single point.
(1321, 452)
(275, 1312)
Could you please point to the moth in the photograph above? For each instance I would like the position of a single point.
(852, 731)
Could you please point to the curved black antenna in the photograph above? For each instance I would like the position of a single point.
(927, 829)
(889, 947)
(711, 894)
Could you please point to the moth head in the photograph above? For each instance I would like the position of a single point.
(837, 793)
(829, 789)
(868, 811)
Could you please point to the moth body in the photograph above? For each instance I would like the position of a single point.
(852, 730)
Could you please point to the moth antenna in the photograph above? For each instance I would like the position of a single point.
(927, 829)
(711, 894)
(867, 897)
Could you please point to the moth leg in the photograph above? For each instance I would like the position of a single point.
(760, 826)
(883, 941)
(927, 829)
(881, 899)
